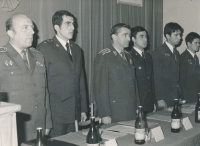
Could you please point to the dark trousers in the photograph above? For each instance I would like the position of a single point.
(61, 129)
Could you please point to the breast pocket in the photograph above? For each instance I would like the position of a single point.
(11, 79)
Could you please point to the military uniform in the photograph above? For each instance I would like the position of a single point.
(166, 74)
(27, 88)
(66, 82)
(189, 76)
(114, 85)
(144, 75)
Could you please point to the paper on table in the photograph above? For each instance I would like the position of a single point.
(132, 123)
(72, 138)
(123, 129)
(187, 124)
(157, 133)
(165, 118)
(108, 134)
(111, 142)
(185, 109)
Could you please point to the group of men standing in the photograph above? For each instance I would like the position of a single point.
(49, 84)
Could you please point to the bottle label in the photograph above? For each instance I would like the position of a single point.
(198, 115)
(139, 134)
(175, 124)
(93, 144)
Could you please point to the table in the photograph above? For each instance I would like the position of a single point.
(184, 138)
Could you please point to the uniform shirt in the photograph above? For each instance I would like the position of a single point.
(63, 43)
(170, 47)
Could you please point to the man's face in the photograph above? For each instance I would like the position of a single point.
(194, 46)
(140, 41)
(175, 38)
(22, 32)
(66, 30)
(122, 39)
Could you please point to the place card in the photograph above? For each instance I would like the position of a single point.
(186, 123)
(157, 133)
(111, 142)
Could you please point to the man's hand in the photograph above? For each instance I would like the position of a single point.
(162, 104)
(83, 116)
(106, 120)
(154, 110)
(47, 131)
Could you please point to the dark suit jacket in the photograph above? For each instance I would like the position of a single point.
(189, 77)
(27, 88)
(166, 74)
(66, 81)
(144, 76)
(114, 85)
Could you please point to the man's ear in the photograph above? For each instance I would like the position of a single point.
(56, 27)
(10, 33)
(113, 36)
(133, 39)
(168, 36)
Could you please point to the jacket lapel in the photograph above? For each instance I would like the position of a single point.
(62, 52)
(16, 57)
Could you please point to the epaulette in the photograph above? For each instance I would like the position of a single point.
(33, 49)
(3, 49)
(104, 51)
(48, 41)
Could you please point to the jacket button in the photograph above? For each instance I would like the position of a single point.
(33, 85)
(36, 106)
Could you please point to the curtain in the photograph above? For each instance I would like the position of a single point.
(95, 19)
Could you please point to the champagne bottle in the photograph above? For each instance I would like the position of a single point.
(176, 117)
(140, 126)
(92, 136)
(39, 139)
(197, 110)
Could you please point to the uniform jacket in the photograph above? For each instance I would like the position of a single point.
(189, 77)
(114, 85)
(144, 76)
(27, 88)
(166, 74)
(66, 81)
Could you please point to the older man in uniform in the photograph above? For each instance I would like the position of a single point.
(23, 78)
(114, 86)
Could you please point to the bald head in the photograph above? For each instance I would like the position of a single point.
(20, 31)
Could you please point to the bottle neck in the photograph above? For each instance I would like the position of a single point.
(92, 122)
(176, 104)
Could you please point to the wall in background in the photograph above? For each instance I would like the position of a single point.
(184, 12)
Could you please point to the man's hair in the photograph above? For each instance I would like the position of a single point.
(191, 36)
(116, 27)
(137, 29)
(57, 18)
(171, 28)
(9, 21)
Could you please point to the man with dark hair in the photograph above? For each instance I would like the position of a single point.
(166, 67)
(189, 68)
(66, 83)
(23, 78)
(143, 63)
(114, 85)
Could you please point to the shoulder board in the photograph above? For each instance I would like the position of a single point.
(104, 51)
(47, 41)
(3, 49)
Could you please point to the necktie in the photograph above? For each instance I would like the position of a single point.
(24, 57)
(174, 53)
(123, 55)
(196, 60)
(68, 51)
(144, 58)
